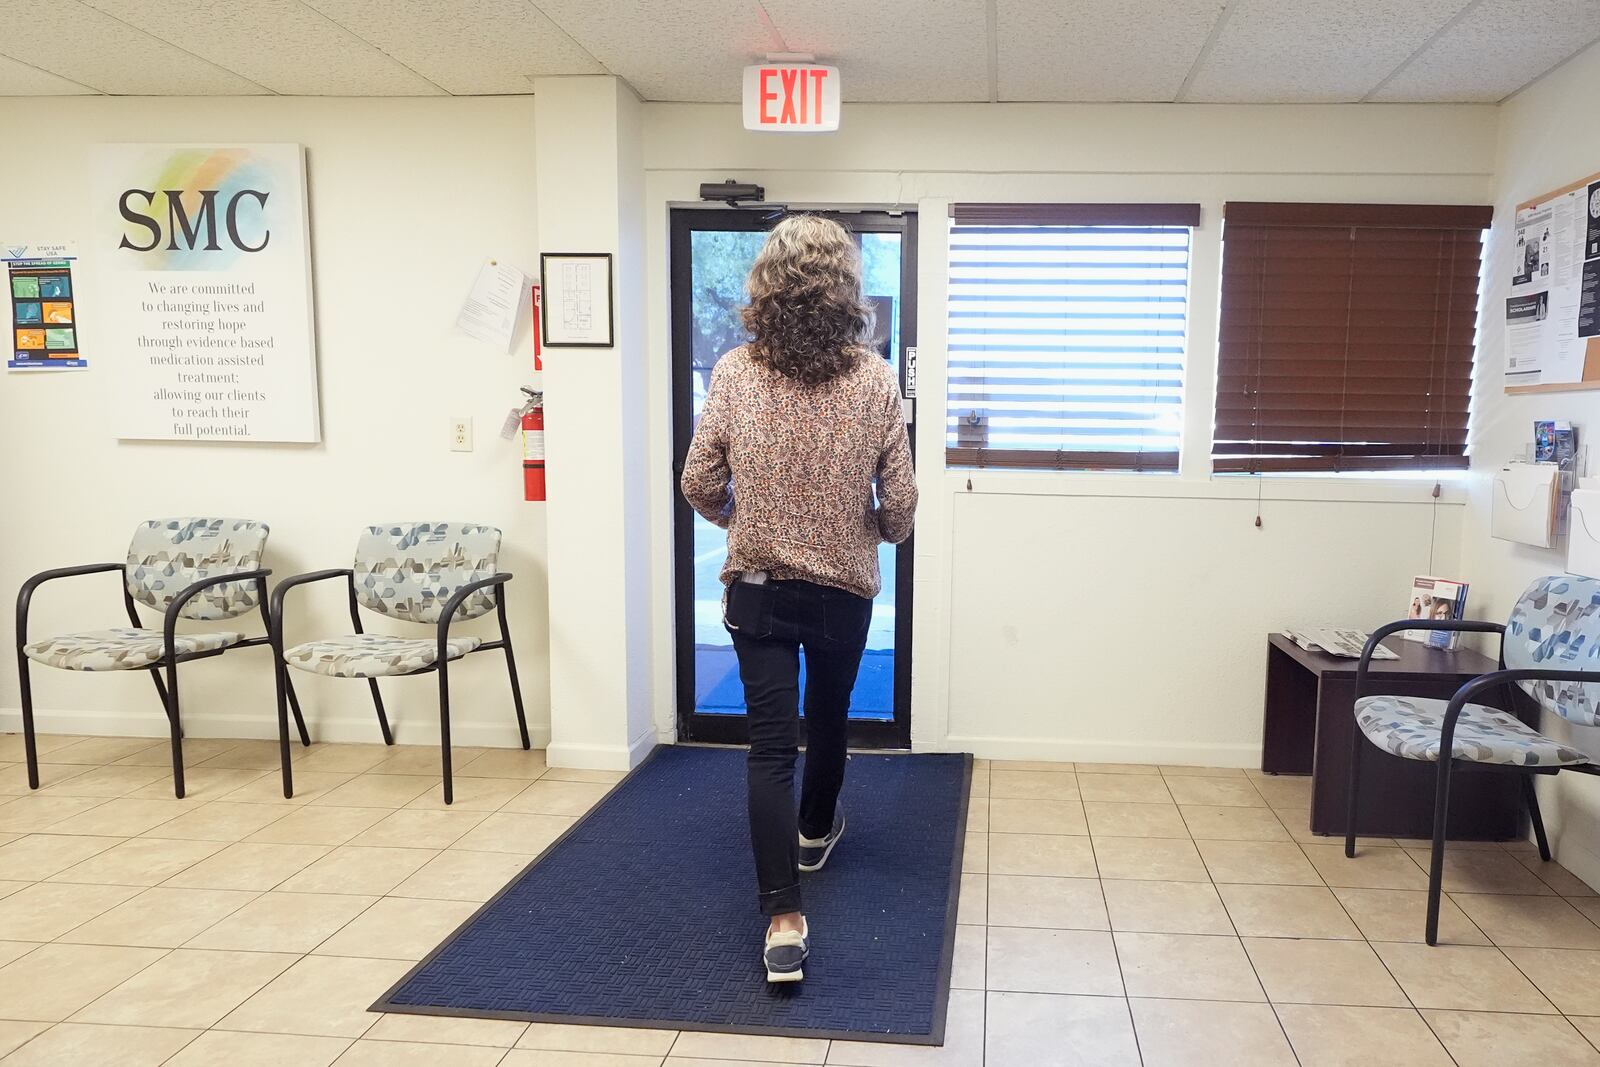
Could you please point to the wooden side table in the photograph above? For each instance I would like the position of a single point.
(1310, 712)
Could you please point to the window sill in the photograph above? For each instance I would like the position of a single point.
(1408, 488)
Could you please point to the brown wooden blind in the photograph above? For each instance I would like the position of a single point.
(1346, 337)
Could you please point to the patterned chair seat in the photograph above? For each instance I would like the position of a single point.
(373, 655)
(120, 649)
(1410, 727)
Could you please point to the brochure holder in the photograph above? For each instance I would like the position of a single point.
(1524, 508)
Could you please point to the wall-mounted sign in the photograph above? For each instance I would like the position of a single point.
(44, 307)
(202, 258)
(796, 97)
(576, 308)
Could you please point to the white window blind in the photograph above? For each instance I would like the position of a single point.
(1066, 342)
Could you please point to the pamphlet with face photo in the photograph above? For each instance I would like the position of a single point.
(1438, 599)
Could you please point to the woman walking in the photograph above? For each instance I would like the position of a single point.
(801, 454)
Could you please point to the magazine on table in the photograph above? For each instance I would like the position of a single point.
(1336, 641)
(1440, 599)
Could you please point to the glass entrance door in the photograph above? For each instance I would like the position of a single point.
(712, 251)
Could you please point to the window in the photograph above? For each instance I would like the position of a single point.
(1346, 336)
(1066, 335)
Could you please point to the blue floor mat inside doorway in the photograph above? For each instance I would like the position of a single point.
(644, 913)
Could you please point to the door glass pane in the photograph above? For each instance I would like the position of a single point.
(720, 262)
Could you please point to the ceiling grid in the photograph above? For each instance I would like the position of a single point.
(1189, 51)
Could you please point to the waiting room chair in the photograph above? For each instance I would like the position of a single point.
(1554, 629)
(205, 570)
(433, 573)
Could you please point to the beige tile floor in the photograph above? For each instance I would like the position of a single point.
(1109, 915)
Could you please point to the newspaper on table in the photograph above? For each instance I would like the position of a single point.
(1337, 642)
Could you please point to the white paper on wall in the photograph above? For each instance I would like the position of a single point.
(490, 311)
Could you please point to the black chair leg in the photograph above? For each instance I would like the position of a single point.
(1530, 797)
(444, 731)
(1441, 819)
(280, 676)
(280, 673)
(511, 667)
(1352, 788)
(294, 706)
(516, 696)
(176, 730)
(383, 720)
(29, 743)
(161, 687)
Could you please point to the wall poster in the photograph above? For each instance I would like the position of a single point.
(203, 278)
(44, 307)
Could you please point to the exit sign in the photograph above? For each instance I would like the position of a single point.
(796, 97)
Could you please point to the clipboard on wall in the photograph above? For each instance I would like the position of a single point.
(1530, 302)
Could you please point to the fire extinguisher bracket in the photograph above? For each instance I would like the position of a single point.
(533, 447)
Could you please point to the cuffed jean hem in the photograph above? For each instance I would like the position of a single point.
(781, 901)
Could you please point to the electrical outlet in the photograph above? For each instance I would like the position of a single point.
(460, 435)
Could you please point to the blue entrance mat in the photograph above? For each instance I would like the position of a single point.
(644, 912)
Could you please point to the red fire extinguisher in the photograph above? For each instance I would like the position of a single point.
(533, 453)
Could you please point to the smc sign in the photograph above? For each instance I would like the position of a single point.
(792, 97)
(192, 231)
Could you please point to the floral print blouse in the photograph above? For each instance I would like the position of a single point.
(806, 479)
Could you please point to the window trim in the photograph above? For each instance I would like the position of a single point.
(1174, 216)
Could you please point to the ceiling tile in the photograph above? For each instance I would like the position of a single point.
(892, 50)
(20, 79)
(75, 41)
(690, 50)
(1283, 51)
(1496, 49)
(308, 55)
(1091, 51)
(468, 47)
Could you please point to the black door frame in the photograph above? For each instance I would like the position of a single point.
(732, 729)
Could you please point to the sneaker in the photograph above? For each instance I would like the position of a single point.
(814, 851)
(785, 952)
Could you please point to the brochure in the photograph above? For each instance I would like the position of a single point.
(1440, 599)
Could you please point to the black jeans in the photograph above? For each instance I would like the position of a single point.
(770, 623)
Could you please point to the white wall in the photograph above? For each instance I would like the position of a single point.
(1548, 138)
(1024, 644)
(1083, 616)
(407, 196)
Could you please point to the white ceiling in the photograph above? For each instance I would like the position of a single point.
(1255, 51)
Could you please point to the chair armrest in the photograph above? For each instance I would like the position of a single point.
(283, 587)
(25, 594)
(169, 624)
(1459, 625)
(1519, 674)
(460, 598)
(1462, 696)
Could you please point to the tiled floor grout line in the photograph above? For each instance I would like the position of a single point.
(1393, 978)
(1273, 1005)
(1436, 1035)
(1122, 978)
